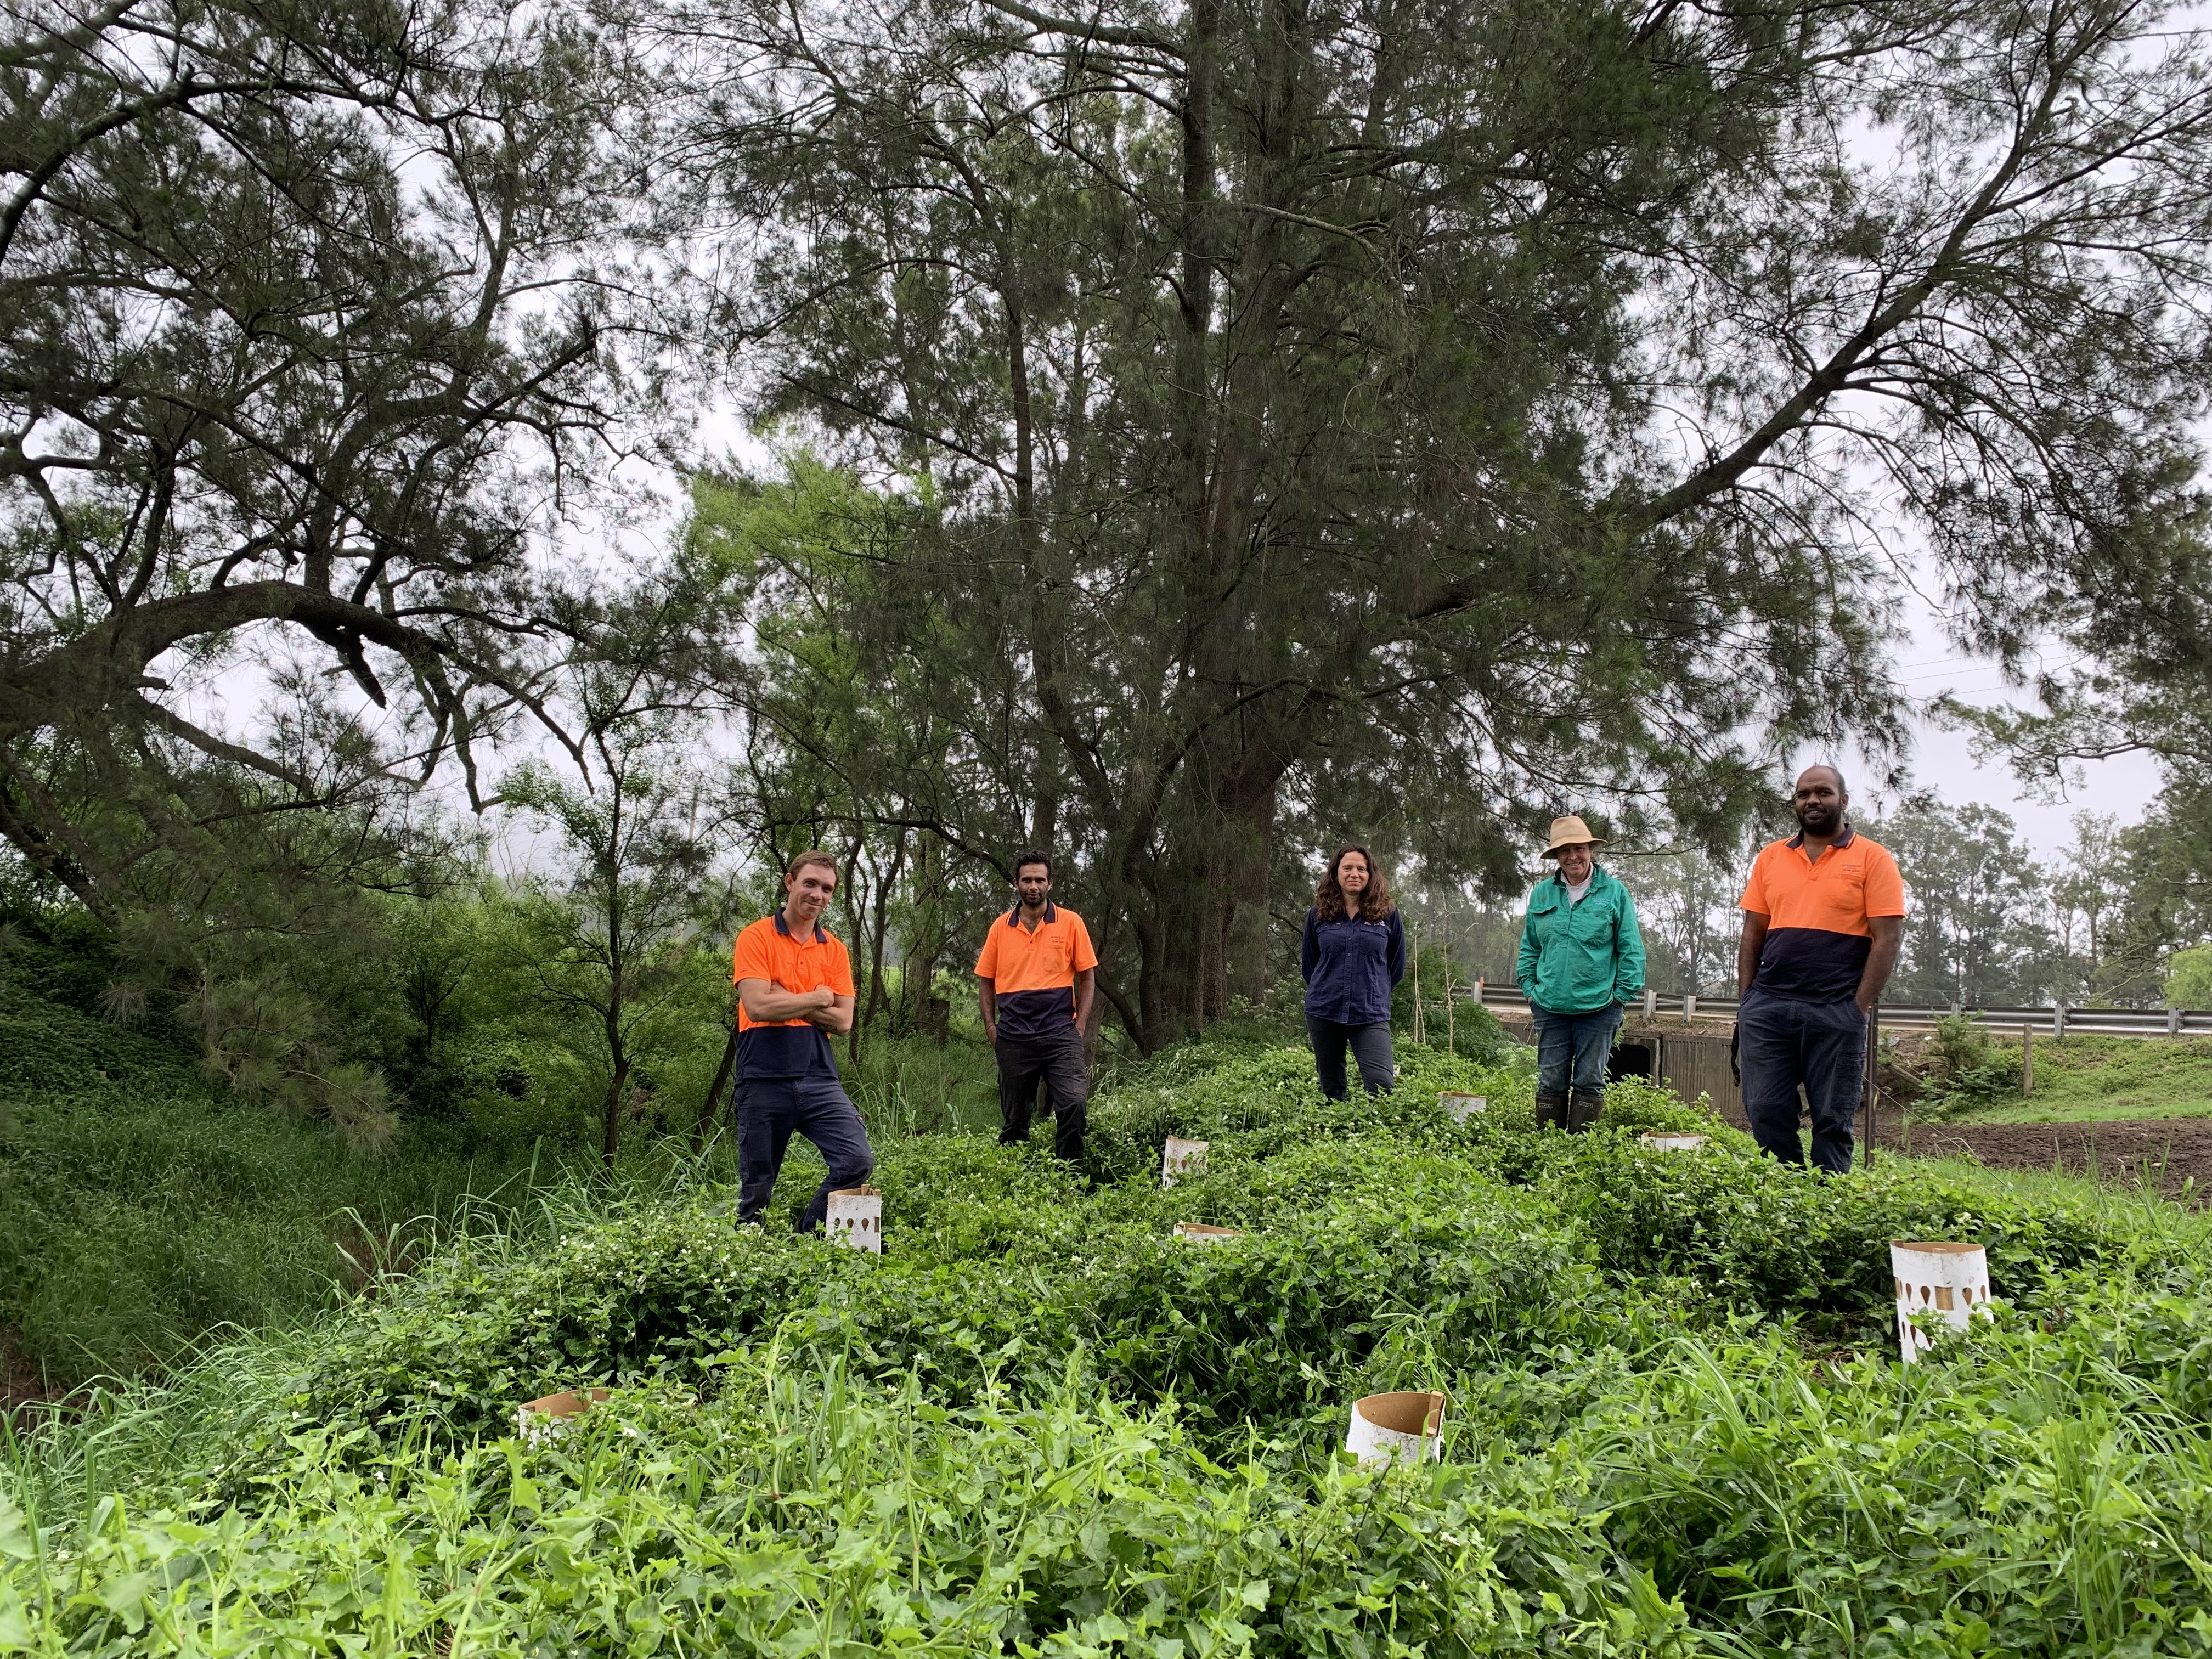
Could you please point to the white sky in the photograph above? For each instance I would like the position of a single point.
(1942, 761)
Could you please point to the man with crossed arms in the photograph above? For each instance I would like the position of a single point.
(794, 990)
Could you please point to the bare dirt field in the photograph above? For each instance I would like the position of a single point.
(2172, 1154)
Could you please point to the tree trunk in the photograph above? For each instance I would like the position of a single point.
(618, 1082)
(879, 927)
(713, 1101)
(926, 942)
(854, 910)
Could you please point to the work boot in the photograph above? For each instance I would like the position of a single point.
(1551, 1111)
(1583, 1107)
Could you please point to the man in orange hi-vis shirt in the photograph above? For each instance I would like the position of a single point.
(1823, 915)
(794, 990)
(1035, 979)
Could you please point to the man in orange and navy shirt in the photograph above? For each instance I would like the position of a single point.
(1823, 914)
(1036, 976)
(794, 991)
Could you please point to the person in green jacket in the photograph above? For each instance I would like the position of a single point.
(1581, 957)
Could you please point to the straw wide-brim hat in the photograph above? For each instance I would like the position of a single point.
(1571, 832)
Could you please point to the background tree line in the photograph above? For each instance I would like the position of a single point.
(1185, 435)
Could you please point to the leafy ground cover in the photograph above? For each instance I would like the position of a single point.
(1040, 1425)
(141, 1208)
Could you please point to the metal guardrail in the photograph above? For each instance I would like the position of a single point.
(2058, 1021)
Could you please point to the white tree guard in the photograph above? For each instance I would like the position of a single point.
(856, 1219)
(1462, 1107)
(1667, 1143)
(539, 1420)
(1951, 1280)
(1182, 1157)
(1389, 1428)
(1198, 1233)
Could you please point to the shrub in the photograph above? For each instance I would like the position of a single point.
(1289, 1321)
(1967, 1070)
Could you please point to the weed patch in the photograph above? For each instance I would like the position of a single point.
(1040, 1424)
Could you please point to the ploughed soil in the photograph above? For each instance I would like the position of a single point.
(2172, 1155)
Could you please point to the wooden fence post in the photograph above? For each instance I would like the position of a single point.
(1873, 1066)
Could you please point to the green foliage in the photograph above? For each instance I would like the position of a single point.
(1465, 1027)
(1975, 931)
(1968, 1070)
(1040, 1423)
(142, 1208)
(2188, 978)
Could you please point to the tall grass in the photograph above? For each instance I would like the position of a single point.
(145, 1212)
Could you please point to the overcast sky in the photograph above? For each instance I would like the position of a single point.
(1942, 761)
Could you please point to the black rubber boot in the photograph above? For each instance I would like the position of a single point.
(1584, 1107)
(1550, 1110)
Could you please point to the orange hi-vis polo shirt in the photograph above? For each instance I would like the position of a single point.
(1034, 973)
(786, 1047)
(1816, 911)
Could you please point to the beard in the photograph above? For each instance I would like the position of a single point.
(1819, 820)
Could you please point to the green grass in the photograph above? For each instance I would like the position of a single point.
(145, 1210)
(1040, 1425)
(2082, 1079)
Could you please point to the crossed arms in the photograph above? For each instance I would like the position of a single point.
(822, 1007)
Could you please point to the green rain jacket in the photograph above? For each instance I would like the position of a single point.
(1578, 959)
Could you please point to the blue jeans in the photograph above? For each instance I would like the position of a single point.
(1370, 1046)
(770, 1110)
(1782, 1043)
(1572, 1049)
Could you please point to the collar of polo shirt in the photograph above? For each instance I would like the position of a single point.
(1838, 845)
(784, 928)
(1051, 916)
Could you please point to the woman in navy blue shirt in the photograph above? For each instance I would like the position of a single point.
(1353, 952)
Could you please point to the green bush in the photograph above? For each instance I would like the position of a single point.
(1967, 1071)
(1039, 1424)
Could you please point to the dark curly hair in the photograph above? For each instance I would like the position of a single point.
(1375, 902)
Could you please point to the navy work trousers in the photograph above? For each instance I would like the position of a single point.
(1370, 1046)
(1572, 1049)
(1054, 1059)
(770, 1110)
(1782, 1043)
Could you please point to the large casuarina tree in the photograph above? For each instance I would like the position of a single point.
(1409, 415)
(306, 319)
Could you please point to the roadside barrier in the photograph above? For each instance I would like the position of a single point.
(1404, 1427)
(856, 1219)
(1182, 1157)
(1949, 1279)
